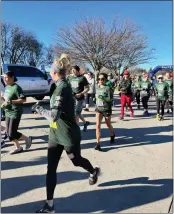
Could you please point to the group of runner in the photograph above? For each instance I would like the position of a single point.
(66, 105)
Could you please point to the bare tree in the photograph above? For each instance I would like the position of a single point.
(19, 46)
(91, 42)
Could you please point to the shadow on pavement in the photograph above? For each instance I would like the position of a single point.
(115, 199)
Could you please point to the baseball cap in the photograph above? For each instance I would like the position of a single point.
(126, 72)
(160, 76)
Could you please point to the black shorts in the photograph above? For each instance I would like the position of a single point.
(104, 113)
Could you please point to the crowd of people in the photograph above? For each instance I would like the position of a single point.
(71, 90)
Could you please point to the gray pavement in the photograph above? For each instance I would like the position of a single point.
(136, 170)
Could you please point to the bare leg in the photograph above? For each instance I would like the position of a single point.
(108, 123)
(99, 118)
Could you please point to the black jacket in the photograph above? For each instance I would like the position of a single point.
(125, 87)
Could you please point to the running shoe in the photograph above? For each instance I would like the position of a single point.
(158, 117)
(131, 114)
(28, 143)
(98, 148)
(46, 209)
(112, 140)
(16, 151)
(93, 178)
(85, 127)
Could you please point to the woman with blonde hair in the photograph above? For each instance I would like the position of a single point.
(64, 131)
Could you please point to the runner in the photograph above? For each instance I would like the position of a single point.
(161, 89)
(91, 93)
(13, 100)
(80, 87)
(103, 101)
(64, 132)
(136, 88)
(145, 87)
(126, 94)
(169, 81)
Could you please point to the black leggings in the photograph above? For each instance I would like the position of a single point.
(88, 97)
(137, 96)
(160, 105)
(54, 153)
(169, 104)
(145, 100)
(12, 128)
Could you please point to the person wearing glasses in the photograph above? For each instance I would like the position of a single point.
(103, 100)
(161, 89)
(125, 87)
(145, 87)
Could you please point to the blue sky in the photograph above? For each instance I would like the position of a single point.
(44, 18)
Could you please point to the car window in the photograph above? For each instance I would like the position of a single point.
(22, 71)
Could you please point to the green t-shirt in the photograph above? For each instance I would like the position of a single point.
(78, 84)
(109, 84)
(145, 87)
(136, 85)
(13, 92)
(162, 90)
(65, 130)
(103, 98)
(170, 88)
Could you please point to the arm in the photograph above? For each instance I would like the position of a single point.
(55, 112)
(108, 97)
(86, 88)
(20, 95)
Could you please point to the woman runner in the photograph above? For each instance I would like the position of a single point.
(64, 131)
(161, 89)
(103, 101)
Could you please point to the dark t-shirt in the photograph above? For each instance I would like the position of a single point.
(13, 92)
(65, 130)
(78, 84)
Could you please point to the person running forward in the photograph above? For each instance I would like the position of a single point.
(136, 88)
(13, 106)
(145, 87)
(161, 89)
(103, 100)
(169, 81)
(80, 87)
(126, 94)
(64, 131)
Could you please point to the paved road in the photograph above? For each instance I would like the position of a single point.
(136, 170)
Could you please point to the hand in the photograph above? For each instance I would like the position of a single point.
(78, 95)
(5, 104)
(35, 108)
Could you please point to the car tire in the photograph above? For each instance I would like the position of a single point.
(39, 97)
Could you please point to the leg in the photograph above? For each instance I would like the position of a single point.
(162, 107)
(99, 118)
(123, 103)
(87, 100)
(171, 105)
(129, 100)
(74, 153)
(158, 106)
(54, 153)
(13, 133)
(109, 125)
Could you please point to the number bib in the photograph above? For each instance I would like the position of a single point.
(99, 103)
(75, 84)
(53, 125)
(143, 93)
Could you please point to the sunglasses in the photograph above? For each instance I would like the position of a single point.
(102, 79)
(160, 78)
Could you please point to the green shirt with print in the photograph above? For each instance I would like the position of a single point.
(103, 99)
(136, 85)
(170, 88)
(162, 90)
(145, 87)
(13, 92)
(65, 130)
(78, 84)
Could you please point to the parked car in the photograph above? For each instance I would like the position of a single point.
(33, 81)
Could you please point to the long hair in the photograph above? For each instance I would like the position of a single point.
(62, 65)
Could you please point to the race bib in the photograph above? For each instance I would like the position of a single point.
(99, 103)
(53, 125)
(75, 84)
(143, 93)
